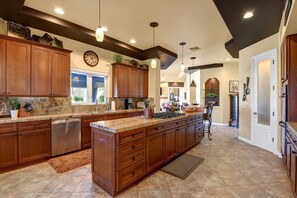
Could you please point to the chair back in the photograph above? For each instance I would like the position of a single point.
(209, 109)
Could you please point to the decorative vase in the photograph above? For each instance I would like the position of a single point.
(14, 113)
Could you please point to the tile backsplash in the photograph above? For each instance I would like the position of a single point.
(51, 105)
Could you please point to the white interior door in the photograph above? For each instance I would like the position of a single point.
(264, 101)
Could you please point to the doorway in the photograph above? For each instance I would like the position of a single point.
(264, 101)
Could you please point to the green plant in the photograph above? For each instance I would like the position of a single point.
(78, 98)
(14, 103)
(101, 99)
(212, 95)
(118, 58)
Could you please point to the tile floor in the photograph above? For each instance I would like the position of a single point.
(231, 169)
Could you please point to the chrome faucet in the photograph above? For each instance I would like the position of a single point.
(97, 105)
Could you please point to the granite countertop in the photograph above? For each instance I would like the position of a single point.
(124, 124)
(292, 126)
(61, 116)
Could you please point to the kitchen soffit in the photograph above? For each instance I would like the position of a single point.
(245, 32)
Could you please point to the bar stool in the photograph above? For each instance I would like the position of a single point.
(207, 118)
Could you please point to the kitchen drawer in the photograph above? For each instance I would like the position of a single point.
(94, 118)
(26, 126)
(192, 119)
(130, 175)
(200, 117)
(130, 147)
(113, 116)
(176, 123)
(199, 129)
(131, 135)
(199, 123)
(131, 159)
(7, 128)
(151, 130)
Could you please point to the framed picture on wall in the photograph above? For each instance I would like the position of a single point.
(233, 86)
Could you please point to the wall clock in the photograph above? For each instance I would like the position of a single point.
(91, 58)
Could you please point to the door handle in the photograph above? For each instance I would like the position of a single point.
(255, 113)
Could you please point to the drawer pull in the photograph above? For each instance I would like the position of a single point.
(133, 135)
(133, 173)
(133, 158)
(294, 152)
(133, 147)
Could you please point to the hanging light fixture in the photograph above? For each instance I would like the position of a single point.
(99, 31)
(182, 67)
(163, 77)
(154, 61)
(193, 83)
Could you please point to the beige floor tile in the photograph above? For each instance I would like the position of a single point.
(207, 178)
(219, 192)
(234, 178)
(251, 191)
(64, 183)
(155, 182)
(176, 183)
(279, 190)
(187, 193)
(129, 194)
(87, 185)
(53, 195)
(155, 194)
(88, 195)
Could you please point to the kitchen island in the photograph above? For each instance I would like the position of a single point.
(126, 150)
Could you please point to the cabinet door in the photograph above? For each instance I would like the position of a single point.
(2, 67)
(190, 135)
(60, 73)
(86, 135)
(41, 139)
(170, 146)
(155, 151)
(293, 167)
(18, 68)
(8, 149)
(181, 139)
(143, 84)
(120, 83)
(134, 83)
(288, 155)
(41, 72)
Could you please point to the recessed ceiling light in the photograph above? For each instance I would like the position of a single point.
(104, 29)
(227, 59)
(248, 15)
(59, 11)
(132, 41)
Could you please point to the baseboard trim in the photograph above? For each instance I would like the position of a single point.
(220, 124)
(279, 154)
(245, 140)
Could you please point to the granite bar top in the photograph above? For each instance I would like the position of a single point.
(124, 124)
(292, 126)
(62, 116)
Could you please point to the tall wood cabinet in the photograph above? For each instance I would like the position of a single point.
(32, 69)
(129, 82)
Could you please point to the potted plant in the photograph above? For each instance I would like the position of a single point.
(15, 105)
(118, 58)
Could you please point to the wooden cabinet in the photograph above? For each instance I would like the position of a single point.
(2, 67)
(155, 153)
(37, 133)
(8, 145)
(120, 82)
(190, 135)
(41, 78)
(86, 129)
(60, 73)
(18, 69)
(31, 69)
(170, 145)
(181, 139)
(129, 82)
(293, 155)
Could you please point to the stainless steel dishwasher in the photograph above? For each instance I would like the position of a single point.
(66, 135)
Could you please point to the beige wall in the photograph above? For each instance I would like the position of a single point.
(230, 71)
(245, 56)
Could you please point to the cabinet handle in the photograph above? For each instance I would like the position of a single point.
(8, 92)
(133, 173)
(294, 152)
(133, 135)
(20, 134)
(133, 147)
(133, 158)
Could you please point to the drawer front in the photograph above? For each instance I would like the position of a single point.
(192, 119)
(151, 130)
(130, 147)
(26, 126)
(200, 117)
(130, 175)
(129, 136)
(199, 129)
(7, 128)
(88, 119)
(176, 123)
(131, 159)
(113, 116)
(199, 123)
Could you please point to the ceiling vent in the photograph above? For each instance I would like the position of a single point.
(193, 49)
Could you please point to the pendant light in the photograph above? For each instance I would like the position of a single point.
(163, 77)
(154, 61)
(193, 83)
(99, 31)
(182, 67)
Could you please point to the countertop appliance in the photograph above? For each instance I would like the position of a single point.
(165, 115)
(66, 135)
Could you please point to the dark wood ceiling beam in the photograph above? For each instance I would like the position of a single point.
(209, 66)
